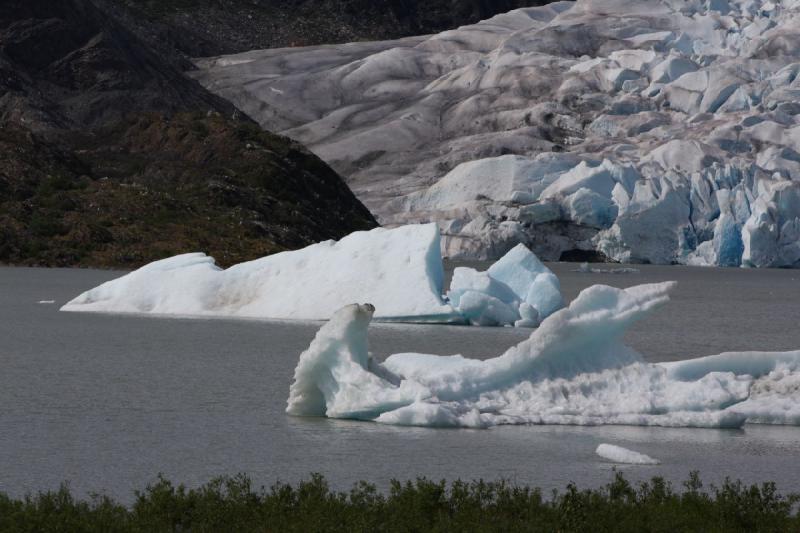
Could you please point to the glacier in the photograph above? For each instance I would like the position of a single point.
(398, 270)
(639, 131)
(618, 454)
(574, 369)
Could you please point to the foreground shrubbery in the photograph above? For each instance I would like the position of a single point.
(232, 504)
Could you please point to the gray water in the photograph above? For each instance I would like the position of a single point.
(108, 402)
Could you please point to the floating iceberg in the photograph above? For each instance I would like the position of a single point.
(517, 290)
(398, 270)
(574, 369)
(618, 454)
(660, 131)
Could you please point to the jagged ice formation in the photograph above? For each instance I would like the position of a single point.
(398, 270)
(662, 131)
(574, 369)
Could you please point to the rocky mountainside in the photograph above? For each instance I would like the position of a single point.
(661, 131)
(110, 156)
(201, 28)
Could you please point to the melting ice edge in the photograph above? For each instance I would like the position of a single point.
(574, 369)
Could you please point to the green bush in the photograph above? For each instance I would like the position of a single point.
(233, 504)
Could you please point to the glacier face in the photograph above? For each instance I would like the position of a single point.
(399, 271)
(574, 369)
(662, 131)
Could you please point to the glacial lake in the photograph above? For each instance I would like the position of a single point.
(107, 402)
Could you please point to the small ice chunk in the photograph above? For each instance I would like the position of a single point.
(482, 309)
(530, 280)
(46, 302)
(517, 290)
(618, 454)
(482, 301)
(468, 279)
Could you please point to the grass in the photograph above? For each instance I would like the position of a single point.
(233, 504)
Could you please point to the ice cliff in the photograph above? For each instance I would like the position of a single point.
(574, 369)
(662, 131)
(398, 270)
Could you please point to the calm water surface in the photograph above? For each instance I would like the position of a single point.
(108, 402)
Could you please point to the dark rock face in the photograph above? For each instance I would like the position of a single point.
(201, 28)
(80, 68)
(110, 156)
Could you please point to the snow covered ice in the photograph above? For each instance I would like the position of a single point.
(618, 454)
(574, 369)
(661, 131)
(397, 270)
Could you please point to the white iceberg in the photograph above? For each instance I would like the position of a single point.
(618, 454)
(397, 270)
(574, 369)
(517, 290)
(530, 280)
(483, 309)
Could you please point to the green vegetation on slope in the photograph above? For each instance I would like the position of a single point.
(232, 504)
(110, 156)
(155, 187)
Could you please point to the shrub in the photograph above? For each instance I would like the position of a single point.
(233, 504)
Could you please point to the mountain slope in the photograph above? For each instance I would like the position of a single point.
(110, 156)
(201, 28)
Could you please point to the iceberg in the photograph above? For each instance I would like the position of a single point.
(518, 290)
(530, 280)
(618, 454)
(573, 369)
(482, 309)
(399, 271)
